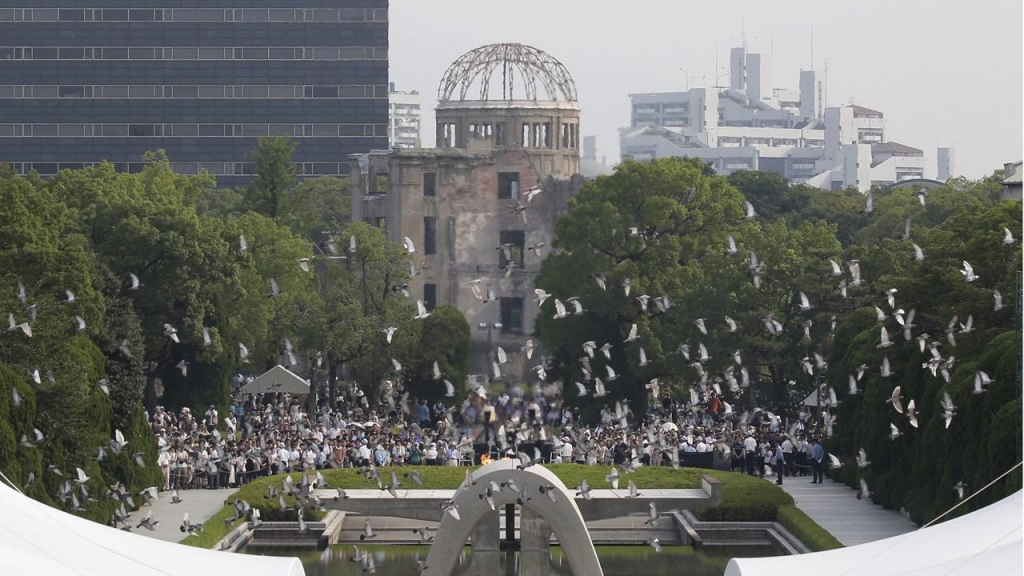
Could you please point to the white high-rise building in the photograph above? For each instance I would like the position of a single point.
(754, 126)
(403, 118)
(946, 164)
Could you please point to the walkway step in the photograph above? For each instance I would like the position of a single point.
(834, 506)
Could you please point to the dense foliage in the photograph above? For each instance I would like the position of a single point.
(162, 287)
(665, 226)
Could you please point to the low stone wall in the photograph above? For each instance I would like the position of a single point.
(425, 505)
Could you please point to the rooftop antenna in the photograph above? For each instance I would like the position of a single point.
(812, 47)
(743, 34)
(825, 84)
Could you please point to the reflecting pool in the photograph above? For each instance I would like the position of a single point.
(616, 560)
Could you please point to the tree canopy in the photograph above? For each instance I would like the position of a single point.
(666, 262)
(131, 290)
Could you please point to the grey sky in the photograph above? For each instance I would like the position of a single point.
(944, 73)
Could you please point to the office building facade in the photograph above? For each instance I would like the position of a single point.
(404, 118)
(83, 82)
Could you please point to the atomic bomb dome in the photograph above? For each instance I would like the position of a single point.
(506, 163)
(511, 96)
(506, 72)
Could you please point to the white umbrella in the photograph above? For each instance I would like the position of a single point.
(669, 427)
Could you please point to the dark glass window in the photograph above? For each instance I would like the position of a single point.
(430, 183)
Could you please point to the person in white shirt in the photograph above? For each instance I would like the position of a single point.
(566, 451)
(398, 453)
(787, 450)
(749, 453)
(431, 455)
(309, 458)
(282, 458)
(163, 459)
(364, 454)
(211, 417)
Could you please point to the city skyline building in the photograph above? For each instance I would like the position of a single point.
(752, 125)
(111, 81)
(403, 118)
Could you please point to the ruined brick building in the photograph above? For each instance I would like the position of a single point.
(480, 208)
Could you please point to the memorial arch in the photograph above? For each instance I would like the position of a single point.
(540, 517)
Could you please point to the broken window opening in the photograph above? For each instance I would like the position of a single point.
(525, 143)
(449, 134)
(499, 134)
(376, 221)
(517, 239)
(508, 185)
(481, 131)
(430, 183)
(511, 315)
(430, 296)
(429, 235)
(545, 129)
(379, 183)
(565, 135)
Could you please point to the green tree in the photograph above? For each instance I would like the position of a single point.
(271, 190)
(652, 224)
(326, 206)
(962, 221)
(362, 295)
(444, 338)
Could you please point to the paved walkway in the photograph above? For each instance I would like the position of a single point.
(200, 505)
(834, 506)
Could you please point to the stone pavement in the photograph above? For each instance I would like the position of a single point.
(834, 506)
(200, 505)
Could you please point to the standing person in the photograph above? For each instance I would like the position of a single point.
(780, 464)
(817, 455)
(750, 453)
(787, 451)
(164, 460)
(423, 414)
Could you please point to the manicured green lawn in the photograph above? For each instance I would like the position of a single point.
(808, 531)
(743, 497)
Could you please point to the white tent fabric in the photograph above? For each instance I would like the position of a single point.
(277, 379)
(986, 541)
(38, 539)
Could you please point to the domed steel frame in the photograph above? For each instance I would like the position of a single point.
(526, 74)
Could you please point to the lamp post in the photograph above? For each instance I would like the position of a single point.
(720, 76)
(686, 78)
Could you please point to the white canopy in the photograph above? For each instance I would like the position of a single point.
(38, 539)
(986, 541)
(277, 379)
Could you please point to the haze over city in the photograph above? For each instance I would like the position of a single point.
(946, 75)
